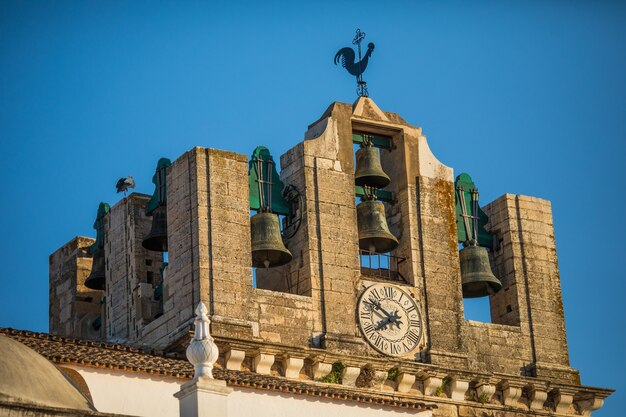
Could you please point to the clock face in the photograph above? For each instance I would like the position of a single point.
(390, 319)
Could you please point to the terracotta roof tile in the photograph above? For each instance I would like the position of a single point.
(115, 356)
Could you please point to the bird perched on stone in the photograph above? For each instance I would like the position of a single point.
(123, 184)
(347, 57)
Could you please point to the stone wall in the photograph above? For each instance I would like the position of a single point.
(527, 265)
(129, 266)
(73, 307)
(210, 257)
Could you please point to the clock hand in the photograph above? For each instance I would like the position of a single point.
(382, 324)
(371, 305)
(396, 319)
(391, 317)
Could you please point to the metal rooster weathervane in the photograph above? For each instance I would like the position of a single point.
(347, 58)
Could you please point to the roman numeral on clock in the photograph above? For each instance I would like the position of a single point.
(389, 292)
(413, 337)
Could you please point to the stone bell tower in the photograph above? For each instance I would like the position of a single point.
(343, 311)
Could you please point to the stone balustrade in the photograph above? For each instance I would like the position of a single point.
(420, 381)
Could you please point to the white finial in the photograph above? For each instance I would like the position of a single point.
(202, 351)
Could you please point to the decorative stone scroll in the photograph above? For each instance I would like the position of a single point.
(537, 397)
(458, 389)
(293, 366)
(485, 392)
(520, 393)
(321, 369)
(405, 382)
(589, 405)
(350, 374)
(563, 400)
(432, 383)
(263, 363)
(233, 359)
(511, 393)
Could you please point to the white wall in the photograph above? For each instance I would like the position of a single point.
(131, 393)
(153, 396)
(257, 403)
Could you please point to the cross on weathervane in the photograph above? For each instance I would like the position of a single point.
(347, 58)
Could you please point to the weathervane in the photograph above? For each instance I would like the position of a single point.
(347, 57)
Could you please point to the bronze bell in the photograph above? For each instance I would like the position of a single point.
(96, 279)
(268, 249)
(374, 234)
(157, 238)
(368, 169)
(476, 275)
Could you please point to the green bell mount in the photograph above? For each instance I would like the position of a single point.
(470, 219)
(159, 197)
(378, 141)
(477, 279)
(270, 198)
(98, 225)
(266, 188)
(269, 194)
(156, 240)
(96, 279)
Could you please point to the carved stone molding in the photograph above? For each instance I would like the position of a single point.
(431, 384)
(511, 393)
(293, 366)
(563, 399)
(263, 363)
(233, 359)
(350, 374)
(321, 369)
(537, 397)
(588, 405)
(458, 389)
(405, 382)
(420, 379)
(485, 392)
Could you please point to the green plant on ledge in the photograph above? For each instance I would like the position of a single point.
(483, 398)
(335, 376)
(393, 373)
(441, 389)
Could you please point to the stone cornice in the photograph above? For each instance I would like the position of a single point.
(299, 370)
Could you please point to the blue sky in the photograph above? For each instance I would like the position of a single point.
(528, 97)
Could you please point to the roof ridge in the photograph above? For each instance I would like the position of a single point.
(83, 342)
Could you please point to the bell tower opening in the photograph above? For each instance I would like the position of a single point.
(479, 284)
(271, 212)
(477, 309)
(375, 239)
